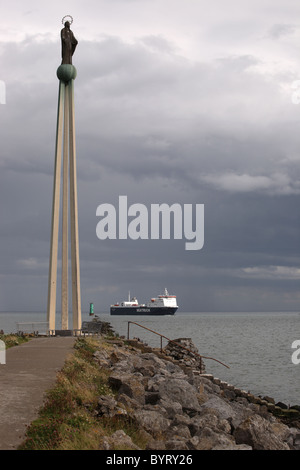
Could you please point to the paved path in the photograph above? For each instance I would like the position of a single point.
(30, 370)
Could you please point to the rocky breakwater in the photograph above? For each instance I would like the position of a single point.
(178, 408)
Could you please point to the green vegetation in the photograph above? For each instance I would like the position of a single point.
(68, 419)
(11, 340)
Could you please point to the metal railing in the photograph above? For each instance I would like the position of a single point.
(35, 328)
(174, 342)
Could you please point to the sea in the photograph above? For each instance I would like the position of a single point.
(257, 348)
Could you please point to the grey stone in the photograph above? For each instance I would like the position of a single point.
(155, 444)
(179, 432)
(209, 439)
(208, 418)
(179, 391)
(130, 385)
(152, 421)
(176, 444)
(172, 408)
(221, 406)
(118, 440)
(258, 433)
(108, 406)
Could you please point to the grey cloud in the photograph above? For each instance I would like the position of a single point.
(273, 184)
(278, 31)
(158, 44)
(272, 272)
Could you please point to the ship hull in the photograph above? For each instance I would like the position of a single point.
(143, 310)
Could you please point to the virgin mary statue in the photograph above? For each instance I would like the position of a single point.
(68, 44)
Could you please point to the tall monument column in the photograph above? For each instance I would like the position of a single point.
(65, 163)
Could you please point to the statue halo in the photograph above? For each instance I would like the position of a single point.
(67, 16)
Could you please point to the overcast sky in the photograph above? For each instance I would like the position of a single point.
(176, 101)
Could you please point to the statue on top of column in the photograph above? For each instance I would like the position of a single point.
(68, 44)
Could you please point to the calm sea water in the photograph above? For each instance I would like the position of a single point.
(256, 346)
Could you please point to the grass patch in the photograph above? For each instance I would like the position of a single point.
(11, 340)
(68, 419)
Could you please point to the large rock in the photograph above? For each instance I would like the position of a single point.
(119, 440)
(171, 408)
(108, 406)
(184, 350)
(130, 385)
(209, 418)
(208, 439)
(179, 391)
(260, 434)
(152, 421)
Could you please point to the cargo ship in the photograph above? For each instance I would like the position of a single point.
(164, 304)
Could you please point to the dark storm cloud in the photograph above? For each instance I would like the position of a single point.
(156, 127)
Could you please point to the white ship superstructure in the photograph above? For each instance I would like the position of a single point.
(164, 300)
(164, 304)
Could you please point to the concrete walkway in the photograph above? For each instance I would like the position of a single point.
(30, 371)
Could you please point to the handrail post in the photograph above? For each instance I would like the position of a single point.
(128, 330)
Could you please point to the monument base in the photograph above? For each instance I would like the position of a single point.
(63, 332)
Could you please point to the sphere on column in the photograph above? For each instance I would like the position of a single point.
(66, 72)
